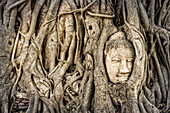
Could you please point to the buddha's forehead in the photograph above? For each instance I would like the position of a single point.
(121, 52)
(124, 43)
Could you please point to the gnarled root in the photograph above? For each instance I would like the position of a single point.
(145, 105)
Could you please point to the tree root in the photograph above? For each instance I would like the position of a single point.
(1, 7)
(149, 108)
(86, 94)
(100, 15)
(70, 48)
(15, 4)
(64, 13)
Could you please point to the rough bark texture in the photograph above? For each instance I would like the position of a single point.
(53, 51)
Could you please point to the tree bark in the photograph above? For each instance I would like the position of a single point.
(55, 52)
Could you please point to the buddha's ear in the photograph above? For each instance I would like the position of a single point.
(139, 51)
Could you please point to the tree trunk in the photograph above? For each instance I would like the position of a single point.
(85, 55)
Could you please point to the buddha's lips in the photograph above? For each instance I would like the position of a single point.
(122, 75)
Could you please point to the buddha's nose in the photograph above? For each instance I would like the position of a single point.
(123, 67)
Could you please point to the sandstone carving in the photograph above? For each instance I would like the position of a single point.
(119, 57)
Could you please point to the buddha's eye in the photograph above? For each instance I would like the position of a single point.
(116, 60)
(129, 60)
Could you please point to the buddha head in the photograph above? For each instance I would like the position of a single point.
(119, 57)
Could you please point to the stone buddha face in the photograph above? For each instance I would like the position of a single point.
(119, 57)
